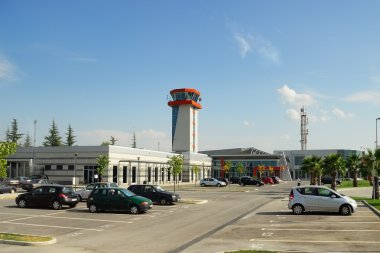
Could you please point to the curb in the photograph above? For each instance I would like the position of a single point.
(377, 212)
(23, 243)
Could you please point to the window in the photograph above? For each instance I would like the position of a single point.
(47, 167)
(59, 167)
(52, 190)
(71, 167)
(309, 191)
(325, 192)
(298, 160)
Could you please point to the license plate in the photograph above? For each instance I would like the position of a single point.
(73, 199)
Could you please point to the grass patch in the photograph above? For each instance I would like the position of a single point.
(24, 238)
(373, 202)
(349, 184)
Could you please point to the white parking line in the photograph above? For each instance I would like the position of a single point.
(320, 230)
(49, 226)
(329, 222)
(303, 242)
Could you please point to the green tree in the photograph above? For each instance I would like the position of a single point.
(70, 137)
(27, 141)
(226, 168)
(196, 170)
(13, 135)
(333, 165)
(53, 139)
(6, 149)
(105, 143)
(312, 166)
(240, 168)
(353, 164)
(371, 165)
(176, 165)
(103, 162)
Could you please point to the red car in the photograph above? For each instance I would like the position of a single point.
(267, 180)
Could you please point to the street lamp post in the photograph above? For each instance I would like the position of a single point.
(75, 171)
(376, 133)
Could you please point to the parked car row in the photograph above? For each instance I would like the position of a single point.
(99, 196)
(19, 181)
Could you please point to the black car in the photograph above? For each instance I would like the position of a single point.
(275, 179)
(48, 196)
(234, 180)
(7, 188)
(250, 181)
(118, 199)
(155, 193)
(223, 180)
(328, 180)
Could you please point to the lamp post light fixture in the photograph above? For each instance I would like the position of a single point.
(75, 171)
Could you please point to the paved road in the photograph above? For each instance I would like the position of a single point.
(243, 218)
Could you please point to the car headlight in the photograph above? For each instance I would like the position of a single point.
(144, 203)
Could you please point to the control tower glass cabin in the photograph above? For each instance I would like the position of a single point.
(185, 105)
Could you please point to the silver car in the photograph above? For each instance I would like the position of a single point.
(85, 191)
(319, 198)
(212, 182)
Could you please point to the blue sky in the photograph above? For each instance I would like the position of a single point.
(106, 68)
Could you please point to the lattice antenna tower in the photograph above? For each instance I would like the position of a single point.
(304, 130)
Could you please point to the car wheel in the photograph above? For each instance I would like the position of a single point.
(297, 209)
(93, 208)
(257, 184)
(56, 205)
(218, 185)
(21, 203)
(203, 185)
(163, 201)
(80, 198)
(345, 210)
(72, 205)
(241, 184)
(134, 209)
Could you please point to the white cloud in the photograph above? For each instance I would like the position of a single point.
(293, 114)
(247, 123)
(243, 44)
(250, 43)
(6, 69)
(290, 96)
(372, 97)
(265, 48)
(341, 114)
(285, 137)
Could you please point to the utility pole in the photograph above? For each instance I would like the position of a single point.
(304, 130)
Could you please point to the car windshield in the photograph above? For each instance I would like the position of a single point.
(128, 193)
(67, 190)
(160, 189)
(35, 181)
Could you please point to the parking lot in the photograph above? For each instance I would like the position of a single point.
(248, 218)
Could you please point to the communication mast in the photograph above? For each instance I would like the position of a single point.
(304, 130)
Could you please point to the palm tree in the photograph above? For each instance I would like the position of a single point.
(353, 164)
(371, 166)
(312, 166)
(333, 164)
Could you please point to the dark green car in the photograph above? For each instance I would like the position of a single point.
(118, 199)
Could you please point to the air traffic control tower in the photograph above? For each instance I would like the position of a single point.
(185, 105)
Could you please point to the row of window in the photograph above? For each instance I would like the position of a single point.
(59, 167)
